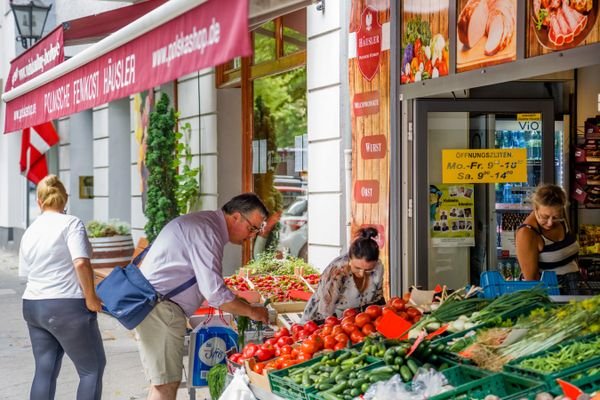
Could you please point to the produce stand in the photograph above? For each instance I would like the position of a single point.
(523, 320)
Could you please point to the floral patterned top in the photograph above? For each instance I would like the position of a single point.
(337, 290)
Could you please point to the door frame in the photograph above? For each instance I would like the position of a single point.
(421, 163)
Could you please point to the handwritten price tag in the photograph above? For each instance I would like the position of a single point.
(484, 166)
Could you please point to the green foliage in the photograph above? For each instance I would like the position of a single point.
(284, 95)
(270, 263)
(188, 188)
(97, 229)
(161, 206)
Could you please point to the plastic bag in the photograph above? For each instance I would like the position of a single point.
(425, 384)
(238, 389)
(213, 341)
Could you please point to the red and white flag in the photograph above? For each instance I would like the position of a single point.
(35, 142)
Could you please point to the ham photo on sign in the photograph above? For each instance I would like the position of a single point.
(486, 33)
(556, 25)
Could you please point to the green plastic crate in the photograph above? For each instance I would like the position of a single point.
(290, 390)
(463, 374)
(550, 378)
(587, 383)
(504, 385)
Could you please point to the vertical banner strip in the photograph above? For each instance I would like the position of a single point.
(369, 78)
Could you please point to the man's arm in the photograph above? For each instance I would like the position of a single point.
(239, 307)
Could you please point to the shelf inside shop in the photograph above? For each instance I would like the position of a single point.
(513, 207)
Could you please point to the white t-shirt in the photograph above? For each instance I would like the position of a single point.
(46, 256)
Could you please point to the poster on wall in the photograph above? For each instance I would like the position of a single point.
(451, 210)
(555, 25)
(425, 41)
(486, 33)
(142, 107)
(369, 78)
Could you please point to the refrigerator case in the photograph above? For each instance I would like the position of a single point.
(512, 199)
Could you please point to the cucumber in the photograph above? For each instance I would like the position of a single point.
(412, 365)
(340, 387)
(329, 396)
(405, 374)
(355, 392)
(381, 370)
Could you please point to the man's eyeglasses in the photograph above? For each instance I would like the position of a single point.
(544, 218)
(253, 228)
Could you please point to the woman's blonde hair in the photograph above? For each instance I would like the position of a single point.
(52, 193)
(549, 195)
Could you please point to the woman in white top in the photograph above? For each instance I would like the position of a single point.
(59, 303)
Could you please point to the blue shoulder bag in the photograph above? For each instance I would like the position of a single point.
(127, 295)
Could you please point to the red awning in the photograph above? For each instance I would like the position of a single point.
(92, 28)
(196, 37)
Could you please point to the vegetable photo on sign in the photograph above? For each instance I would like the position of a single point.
(424, 41)
(486, 33)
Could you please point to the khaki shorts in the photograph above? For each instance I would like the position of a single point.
(161, 336)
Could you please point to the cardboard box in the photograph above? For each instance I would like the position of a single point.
(260, 380)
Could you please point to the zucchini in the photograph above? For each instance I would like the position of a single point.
(405, 374)
(329, 396)
(340, 387)
(412, 365)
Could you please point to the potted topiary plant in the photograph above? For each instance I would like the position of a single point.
(111, 242)
(161, 150)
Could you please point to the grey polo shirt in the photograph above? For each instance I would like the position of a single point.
(189, 245)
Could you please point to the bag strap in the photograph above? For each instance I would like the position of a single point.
(180, 288)
(139, 257)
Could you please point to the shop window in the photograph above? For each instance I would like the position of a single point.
(264, 43)
(279, 156)
(294, 32)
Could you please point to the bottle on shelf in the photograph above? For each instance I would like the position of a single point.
(536, 145)
(507, 139)
(507, 195)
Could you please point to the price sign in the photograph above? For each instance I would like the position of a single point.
(484, 166)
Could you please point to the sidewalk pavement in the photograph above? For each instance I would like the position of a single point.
(123, 377)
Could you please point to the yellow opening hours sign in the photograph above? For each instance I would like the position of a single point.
(484, 166)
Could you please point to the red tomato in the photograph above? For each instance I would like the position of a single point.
(272, 341)
(283, 340)
(342, 338)
(416, 318)
(271, 365)
(332, 320)
(376, 322)
(326, 330)
(263, 355)
(282, 332)
(373, 311)
(412, 312)
(357, 336)
(403, 315)
(318, 341)
(340, 346)
(398, 304)
(329, 342)
(348, 327)
(367, 329)
(350, 312)
(288, 363)
(235, 357)
(387, 309)
(361, 319)
(302, 356)
(337, 330)
(308, 346)
(250, 350)
(296, 328)
(310, 327)
(286, 350)
(346, 320)
(258, 368)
